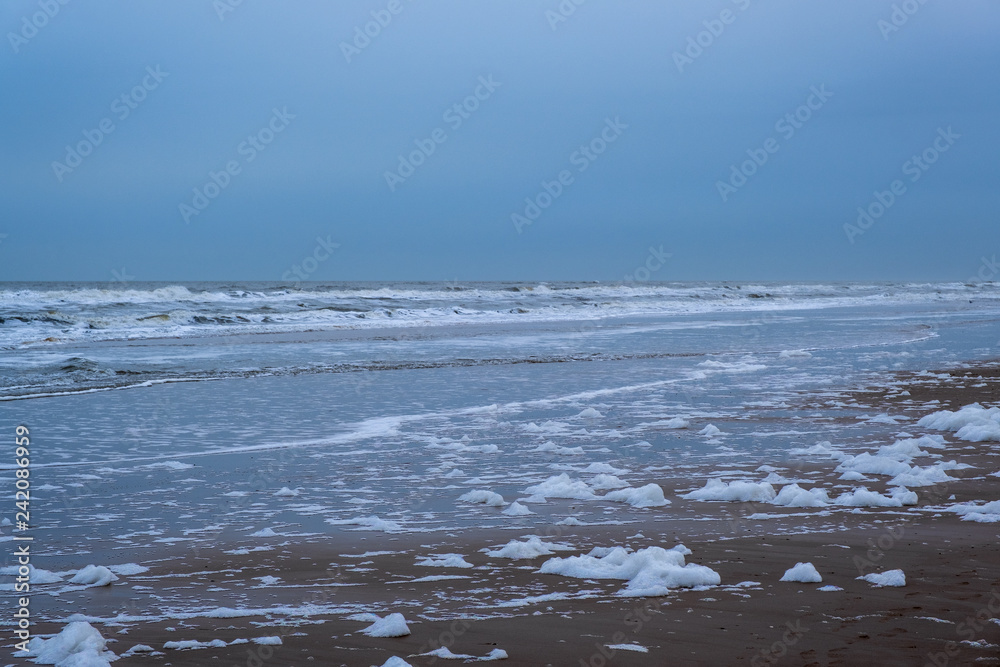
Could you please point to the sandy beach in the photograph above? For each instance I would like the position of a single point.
(946, 614)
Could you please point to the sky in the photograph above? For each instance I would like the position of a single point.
(499, 140)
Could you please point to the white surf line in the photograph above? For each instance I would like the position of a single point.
(774, 307)
(94, 390)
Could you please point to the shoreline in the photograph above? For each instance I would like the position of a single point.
(950, 565)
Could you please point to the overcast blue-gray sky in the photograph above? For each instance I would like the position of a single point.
(683, 121)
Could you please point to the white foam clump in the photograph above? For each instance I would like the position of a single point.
(775, 478)
(394, 661)
(673, 422)
(570, 521)
(874, 465)
(652, 571)
(128, 568)
(79, 644)
(711, 431)
(553, 448)
(590, 413)
(561, 486)
(972, 422)
(793, 495)
(602, 481)
(444, 560)
(984, 432)
(862, 497)
(481, 449)
(987, 513)
(138, 649)
(824, 448)
(364, 617)
(887, 578)
(650, 495)
(794, 354)
(227, 612)
(742, 366)
(446, 654)
(488, 498)
(264, 532)
(170, 465)
(367, 522)
(895, 461)
(546, 427)
(285, 492)
(716, 489)
(191, 644)
(802, 572)
(94, 575)
(273, 640)
(393, 625)
(533, 547)
(927, 476)
(909, 448)
(36, 575)
(604, 468)
(516, 509)
(638, 648)
(883, 418)
(902, 473)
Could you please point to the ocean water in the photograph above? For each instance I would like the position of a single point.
(78, 337)
(234, 416)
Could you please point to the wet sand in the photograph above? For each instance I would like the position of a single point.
(952, 570)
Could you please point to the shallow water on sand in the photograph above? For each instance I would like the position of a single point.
(304, 437)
